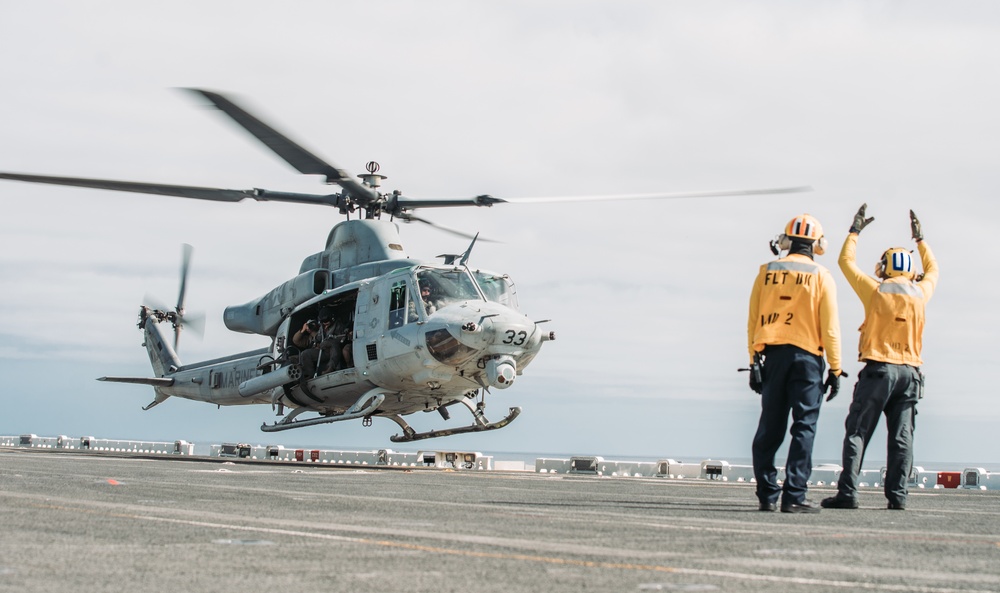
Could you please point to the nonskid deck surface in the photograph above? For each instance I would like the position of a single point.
(98, 523)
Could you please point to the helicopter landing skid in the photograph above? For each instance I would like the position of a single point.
(481, 425)
(363, 408)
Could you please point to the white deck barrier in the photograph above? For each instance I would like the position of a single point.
(969, 478)
(87, 443)
(975, 478)
(381, 457)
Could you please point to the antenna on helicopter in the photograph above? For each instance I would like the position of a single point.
(449, 258)
(372, 178)
(468, 252)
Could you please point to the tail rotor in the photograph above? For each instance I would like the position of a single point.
(177, 317)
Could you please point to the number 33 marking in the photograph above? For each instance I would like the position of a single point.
(516, 338)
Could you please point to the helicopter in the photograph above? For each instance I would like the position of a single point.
(363, 330)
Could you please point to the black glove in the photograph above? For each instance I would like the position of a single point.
(860, 222)
(833, 384)
(918, 235)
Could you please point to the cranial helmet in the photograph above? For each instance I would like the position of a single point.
(802, 228)
(896, 261)
(326, 314)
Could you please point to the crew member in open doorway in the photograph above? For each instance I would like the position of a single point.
(792, 322)
(891, 382)
(324, 353)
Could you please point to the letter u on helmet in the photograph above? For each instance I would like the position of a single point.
(806, 228)
(896, 261)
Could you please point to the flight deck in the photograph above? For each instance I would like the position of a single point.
(73, 520)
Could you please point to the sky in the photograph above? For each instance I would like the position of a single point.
(893, 104)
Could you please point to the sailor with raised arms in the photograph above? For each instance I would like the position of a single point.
(890, 345)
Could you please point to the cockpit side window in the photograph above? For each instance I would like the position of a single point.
(397, 304)
(497, 288)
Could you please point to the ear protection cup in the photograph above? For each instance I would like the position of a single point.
(880, 268)
(819, 247)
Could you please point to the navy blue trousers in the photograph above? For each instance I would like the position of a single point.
(793, 384)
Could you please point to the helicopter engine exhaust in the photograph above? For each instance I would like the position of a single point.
(501, 372)
(262, 383)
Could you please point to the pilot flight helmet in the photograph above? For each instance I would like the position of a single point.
(896, 261)
(325, 314)
(802, 228)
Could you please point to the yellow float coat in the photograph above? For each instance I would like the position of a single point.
(794, 301)
(894, 308)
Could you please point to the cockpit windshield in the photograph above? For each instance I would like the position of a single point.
(497, 288)
(441, 287)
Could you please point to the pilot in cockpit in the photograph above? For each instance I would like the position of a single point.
(431, 304)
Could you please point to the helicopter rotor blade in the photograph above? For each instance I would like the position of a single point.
(660, 196)
(195, 321)
(154, 303)
(192, 321)
(398, 203)
(182, 191)
(407, 217)
(290, 151)
(186, 252)
(182, 320)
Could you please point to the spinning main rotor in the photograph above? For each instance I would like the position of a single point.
(361, 196)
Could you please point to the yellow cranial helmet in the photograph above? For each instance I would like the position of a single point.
(806, 228)
(896, 261)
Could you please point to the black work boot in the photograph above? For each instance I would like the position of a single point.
(836, 502)
(806, 506)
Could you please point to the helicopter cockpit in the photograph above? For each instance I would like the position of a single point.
(442, 287)
(435, 288)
